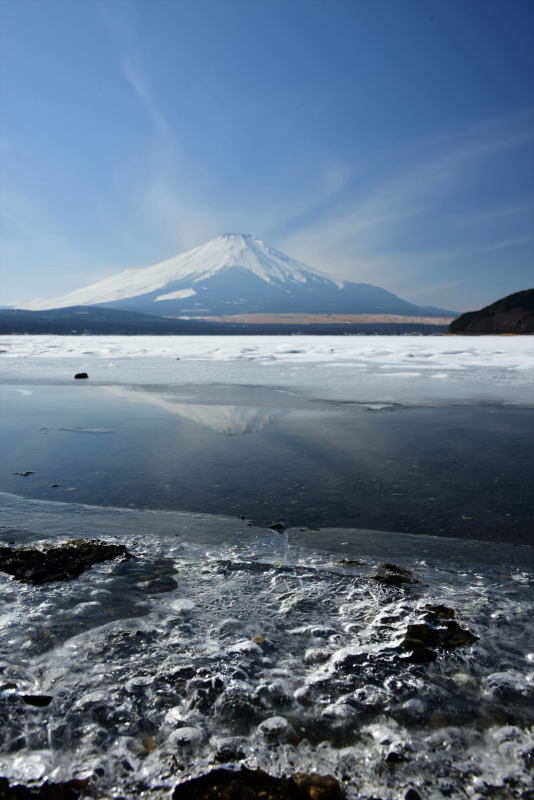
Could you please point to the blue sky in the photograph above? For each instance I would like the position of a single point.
(385, 141)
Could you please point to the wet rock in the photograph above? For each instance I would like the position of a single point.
(65, 562)
(347, 663)
(456, 636)
(236, 706)
(276, 729)
(187, 736)
(350, 562)
(229, 751)
(440, 611)
(249, 784)
(393, 579)
(314, 655)
(419, 654)
(412, 794)
(277, 526)
(24, 474)
(81, 375)
(394, 757)
(69, 790)
(423, 639)
(396, 569)
(423, 634)
(318, 787)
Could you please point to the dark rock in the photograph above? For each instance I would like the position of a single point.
(412, 794)
(249, 784)
(351, 562)
(64, 562)
(422, 634)
(455, 636)
(39, 700)
(69, 790)
(443, 612)
(277, 526)
(396, 569)
(393, 757)
(81, 375)
(24, 474)
(394, 580)
(352, 662)
(423, 639)
(419, 654)
(228, 753)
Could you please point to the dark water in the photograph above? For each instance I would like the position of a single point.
(462, 471)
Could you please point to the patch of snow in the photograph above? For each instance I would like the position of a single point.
(181, 294)
(380, 370)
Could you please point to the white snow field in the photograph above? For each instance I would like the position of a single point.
(194, 266)
(399, 369)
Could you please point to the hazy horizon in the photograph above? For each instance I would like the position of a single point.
(383, 143)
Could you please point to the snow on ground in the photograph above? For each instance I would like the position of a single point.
(422, 352)
(378, 369)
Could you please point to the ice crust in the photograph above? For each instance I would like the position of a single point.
(218, 638)
(368, 369)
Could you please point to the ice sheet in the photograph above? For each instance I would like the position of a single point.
(398, 369)
(424, 352)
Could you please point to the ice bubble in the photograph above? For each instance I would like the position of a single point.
(246, 647)
(314, 655)
(182, 604)
(187, 736)
(174, 716)
(276, 728)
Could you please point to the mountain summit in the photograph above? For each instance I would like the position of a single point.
(234, 273)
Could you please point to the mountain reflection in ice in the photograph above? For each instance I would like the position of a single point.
(230, 420)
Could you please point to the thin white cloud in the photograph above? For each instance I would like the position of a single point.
(144, 93)
(355, 243)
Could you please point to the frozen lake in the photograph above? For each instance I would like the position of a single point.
(400, 472)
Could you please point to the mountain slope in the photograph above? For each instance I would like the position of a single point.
(234, 274)
(511, 314)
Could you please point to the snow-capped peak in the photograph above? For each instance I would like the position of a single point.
(229, 250)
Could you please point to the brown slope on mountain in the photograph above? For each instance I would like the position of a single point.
(512, 314)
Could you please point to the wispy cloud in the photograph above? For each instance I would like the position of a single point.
(139, 83)
(355, 241)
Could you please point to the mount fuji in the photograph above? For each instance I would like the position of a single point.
(234, 274)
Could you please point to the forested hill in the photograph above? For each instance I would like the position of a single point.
(511, 314)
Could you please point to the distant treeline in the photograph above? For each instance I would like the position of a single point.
(79, 320)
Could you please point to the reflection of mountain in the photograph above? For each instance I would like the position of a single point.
(225, 419)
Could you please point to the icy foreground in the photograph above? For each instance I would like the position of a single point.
(392, 369)
(224, 644)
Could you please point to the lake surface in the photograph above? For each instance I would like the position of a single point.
(274, 455)
(401, 471)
